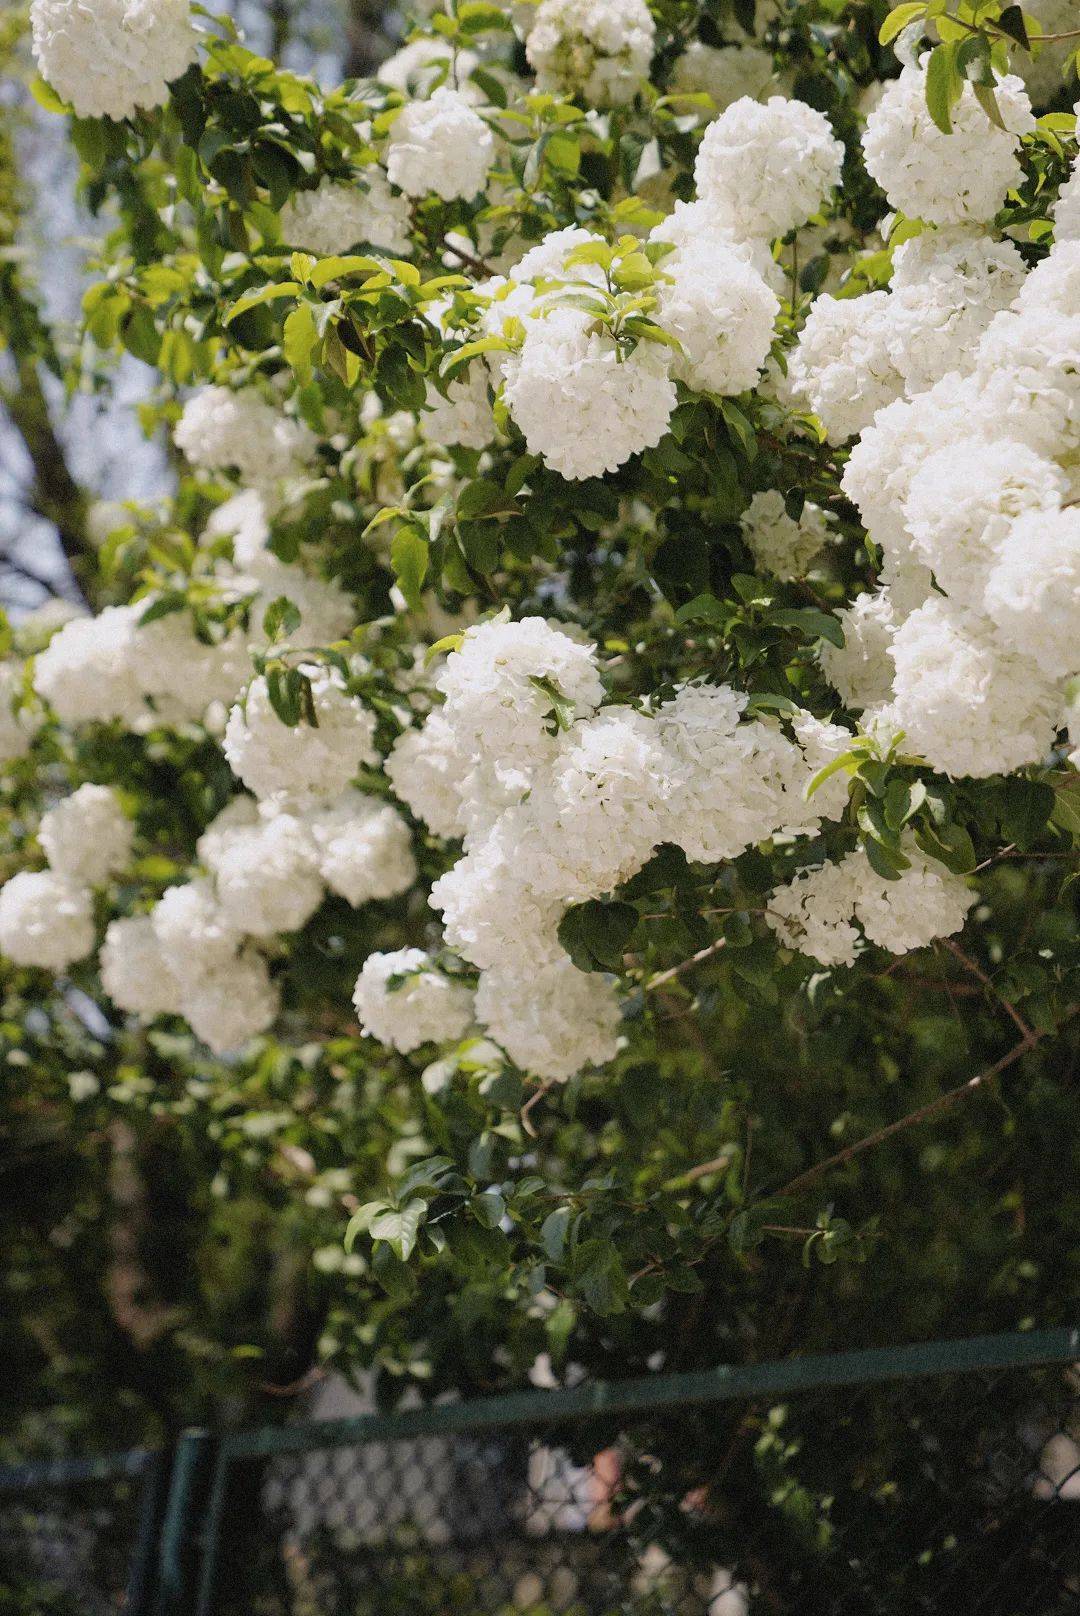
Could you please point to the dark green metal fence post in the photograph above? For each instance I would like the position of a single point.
(181, 1527)
(155, 1490)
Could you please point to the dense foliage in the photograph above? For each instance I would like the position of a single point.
(622, 536)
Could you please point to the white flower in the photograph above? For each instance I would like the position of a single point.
(947, 286)
(1067, 206)
(87, 837)
(327, 612)
(301, 760)
(233, 1004)
(246, 520)
(509, 687)
(843, 362)
(134, 971)
(237, 430)
(722, 312)
(110, 58)
(963, 501)
(192, 932)
(782, 545)
(1033, 594)
(581, 403)
(425, 767)
(862, 670)
(180, 676)
(266, 876)
(725, 73)
(965, 703)
(363, 848)
(817, 912)
(463, 415)
(87, 672)
(440, 145)
(552, 1021)
(767, 167)
(694, 227)
(420, 66)
(597, 49)
(1054, 285)
(46, 919)
(239, 813)
(422, 1007)
(18, 725)
(926, 902)
(814, 914)
(945, 179)
(337, 216)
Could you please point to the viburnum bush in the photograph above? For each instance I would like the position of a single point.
(596, 714)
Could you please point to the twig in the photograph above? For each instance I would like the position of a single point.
(976, 970)
(924, 1112)
(533, 1099)
(685, 965)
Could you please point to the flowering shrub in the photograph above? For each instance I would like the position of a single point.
(621, 592)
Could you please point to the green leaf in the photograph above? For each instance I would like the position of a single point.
(262, 294)
(811, 622)
(280, 619)
(399, 1229)
(553, 1232)
(596, 934)
(949, 844)
(1012, 22)
(943, 86)
(45, 96)
(409, 560)
(298, 339)
(561, 715)
(899, 18)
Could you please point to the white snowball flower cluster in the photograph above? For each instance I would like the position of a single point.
(338, 215)
(857, 355)
(970, 484)
(725, 73)
(113, 667)
(766, 168)
(583, 404)
(47, 916)
(224, 429)
(945, 178)
(722, 312)
(110, 58)
(46, 919)
(965, 703)
(404, 1001)
(781, 544)
(440, 145)
(363, 848)
(826, 912)
(1067, 206)
(861, 669)
(184, 958)
(559, 799)
(599, 50)
(555, 1022)
(843, 363)
(304, 760)
(87, 836)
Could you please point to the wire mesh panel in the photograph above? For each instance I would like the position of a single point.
(76, 1537)
(958, 1491)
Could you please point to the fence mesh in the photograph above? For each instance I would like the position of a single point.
(958, 1492)
(73, 1536)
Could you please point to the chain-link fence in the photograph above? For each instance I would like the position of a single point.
(79, 1537)
(924, 1479)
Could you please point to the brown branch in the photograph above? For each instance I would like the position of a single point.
(685, 965)
(976, 970)
(923, 1114)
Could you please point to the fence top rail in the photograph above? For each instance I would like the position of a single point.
(723, 1383)
(69, 1472)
